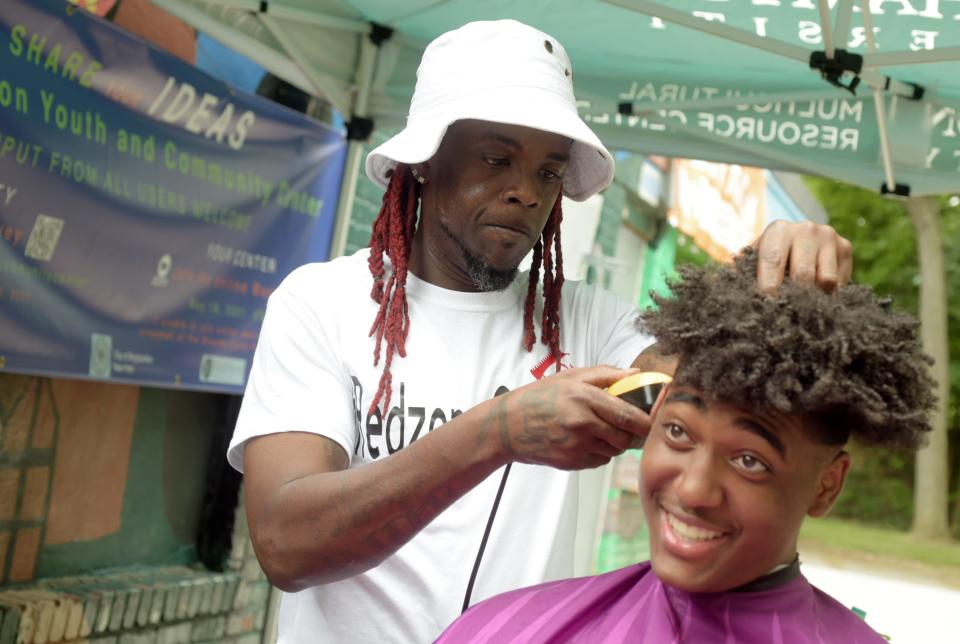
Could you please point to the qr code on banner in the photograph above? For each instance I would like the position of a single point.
(44, 237)
(101, 352)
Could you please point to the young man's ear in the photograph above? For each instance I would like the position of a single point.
(830, 484)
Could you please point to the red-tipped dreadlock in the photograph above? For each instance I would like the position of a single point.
(392, 233)
(552, 284)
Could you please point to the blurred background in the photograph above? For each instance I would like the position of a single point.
(133, 275)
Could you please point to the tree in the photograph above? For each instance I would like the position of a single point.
(930, 506)
(885, 244)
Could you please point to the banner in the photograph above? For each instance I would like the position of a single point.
(147, 210)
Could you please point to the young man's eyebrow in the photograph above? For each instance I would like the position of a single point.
(559, 157)
(683, 397)
(743, 423)
(764, 433)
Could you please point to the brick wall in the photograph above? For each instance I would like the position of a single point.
(101, 489)
(170, 605)
(252, 604)
(26, 458)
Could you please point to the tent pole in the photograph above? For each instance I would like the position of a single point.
(924, 56)
(351, 170)
(323, 85)
(879, 104)
(317, 18)
(826, 29)
(351, 174)
(243, 5)
(841, 29)
(269, 58)
(280, 10)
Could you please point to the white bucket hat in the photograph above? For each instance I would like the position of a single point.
(501, 71)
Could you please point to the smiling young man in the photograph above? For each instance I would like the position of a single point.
(713, 529)
(746, 442)
(389, 385)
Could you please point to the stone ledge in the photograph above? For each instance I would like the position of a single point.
(109, 604)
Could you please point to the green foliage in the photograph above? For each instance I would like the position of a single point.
(885, 257)
(689, 253)
(879, 488)
(880, 545)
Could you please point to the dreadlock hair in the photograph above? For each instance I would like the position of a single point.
(844, 361)
(392, 234)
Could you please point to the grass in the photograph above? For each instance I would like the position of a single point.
(852, 544)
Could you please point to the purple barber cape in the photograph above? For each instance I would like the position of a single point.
(633, 605)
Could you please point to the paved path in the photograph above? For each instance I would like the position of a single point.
(907, 611)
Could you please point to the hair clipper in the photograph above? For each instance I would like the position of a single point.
(640, 389)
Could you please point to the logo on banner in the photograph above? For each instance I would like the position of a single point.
(44, 238)
(222, 370)
(162, 278)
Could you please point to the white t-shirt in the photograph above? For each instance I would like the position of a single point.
(313, 372)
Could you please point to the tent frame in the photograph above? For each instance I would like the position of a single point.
(353, 99)
(833, 62)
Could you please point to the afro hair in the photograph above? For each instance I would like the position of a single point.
(845, 360)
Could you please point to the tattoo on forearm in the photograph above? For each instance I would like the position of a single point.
(496, 417)
(540, 426)
(387, 538)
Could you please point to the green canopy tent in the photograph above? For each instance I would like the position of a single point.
(816, 86)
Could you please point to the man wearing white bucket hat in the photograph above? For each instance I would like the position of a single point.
(369, 490)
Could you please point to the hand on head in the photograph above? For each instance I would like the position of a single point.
(805, 252)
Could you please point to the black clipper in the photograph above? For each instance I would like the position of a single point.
(640, 389)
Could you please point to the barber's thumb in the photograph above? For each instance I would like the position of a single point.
(605, 375)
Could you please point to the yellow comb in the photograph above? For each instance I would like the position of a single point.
(640, 389)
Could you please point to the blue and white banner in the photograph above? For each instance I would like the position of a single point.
(147, 210)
